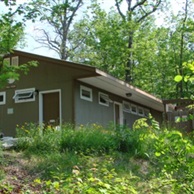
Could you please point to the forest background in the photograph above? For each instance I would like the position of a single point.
(145, 43)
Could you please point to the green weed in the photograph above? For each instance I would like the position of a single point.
(145, 159)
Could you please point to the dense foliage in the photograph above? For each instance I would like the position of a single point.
(156, 53)
(92, 159)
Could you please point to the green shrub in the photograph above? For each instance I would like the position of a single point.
(174, 154)
(138, 141)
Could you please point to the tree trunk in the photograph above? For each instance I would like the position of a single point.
(181, 84)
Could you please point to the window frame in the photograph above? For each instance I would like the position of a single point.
(82, 88)
(31, 91)
(134, 106)
(125, 109)
(15, 61)
(139, 108)
(100, 95)
(4, 98)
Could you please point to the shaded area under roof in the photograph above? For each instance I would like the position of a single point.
(121, 88)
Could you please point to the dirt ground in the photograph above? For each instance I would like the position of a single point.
(16, 175)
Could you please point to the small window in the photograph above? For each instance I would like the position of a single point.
(103, 99)
(2, 98)
(6, 61)
(26, 95)
(146, 112)
(140, 111)
(15, 61)
(133, 109)
(86, 93)
(126, 106)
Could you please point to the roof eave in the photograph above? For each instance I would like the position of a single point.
(121, 88)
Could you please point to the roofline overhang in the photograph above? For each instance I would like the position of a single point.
(141, 92)
(118, 87)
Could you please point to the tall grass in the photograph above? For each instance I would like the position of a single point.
(90, 139)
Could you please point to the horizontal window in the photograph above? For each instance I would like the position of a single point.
(14, 61)
(133, 109)
(86, 93)
(2, 98)
(25, 95)
(103, 99)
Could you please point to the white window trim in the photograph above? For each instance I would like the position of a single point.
(4, 98)
(88, 90)
(142, 110)
(41, 105)
(120, 113)
(125, 109)
(133, 112)
(15, 61)
(23, 91)
(105, 98)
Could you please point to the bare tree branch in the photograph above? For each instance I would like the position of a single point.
(150, 12)
(119, 10)
(59, 15)
(73, 13)
(137, 5)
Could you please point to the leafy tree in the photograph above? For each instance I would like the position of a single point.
(57, 18)
(154, 69)
(188, 77)
(105, 47)
(137, 13)
(181, 39)
(11, 32)
(185, 29)
(156, 50)
(103, 38)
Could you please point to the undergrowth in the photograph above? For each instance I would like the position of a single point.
(145, 159)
